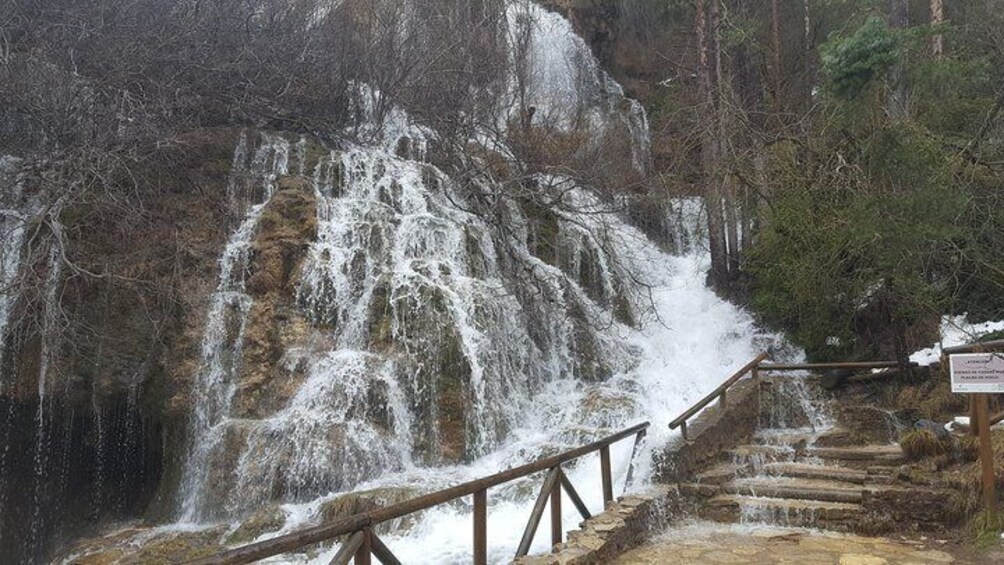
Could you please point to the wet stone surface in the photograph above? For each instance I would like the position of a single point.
(711, 543)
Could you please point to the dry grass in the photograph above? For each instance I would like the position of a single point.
(918, 444)
(968, 478)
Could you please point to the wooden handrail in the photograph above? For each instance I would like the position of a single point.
(720, 392)
(974, 347)
(363, 522)
(836, 365)
(996, 418)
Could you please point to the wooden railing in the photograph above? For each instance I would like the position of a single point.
(754, 368)
(719, 393)
(850, 365)
(363, 543)
(978, 347)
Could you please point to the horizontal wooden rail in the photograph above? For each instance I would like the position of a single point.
(977, 347)
(828, 366)
(996, 418)
(718, 393)
(364, 522)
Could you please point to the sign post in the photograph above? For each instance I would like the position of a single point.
(980, 374)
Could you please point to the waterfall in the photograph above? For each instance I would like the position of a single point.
(49, 349)
(454, 330)
(689, 224)
(12, 233)
(251, 186)
(554, 72)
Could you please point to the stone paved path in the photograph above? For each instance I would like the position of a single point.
(707, 543)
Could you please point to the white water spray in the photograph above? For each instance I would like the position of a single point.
(251, 187)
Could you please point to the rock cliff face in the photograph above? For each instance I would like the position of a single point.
(86, 421)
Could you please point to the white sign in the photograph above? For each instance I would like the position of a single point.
(977, 372)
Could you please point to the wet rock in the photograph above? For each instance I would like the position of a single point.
(354, 503)
(868, 424)
(287, 226)
(266, 520)
(135, 546)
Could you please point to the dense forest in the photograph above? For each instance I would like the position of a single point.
(853, 146)
(207, 206)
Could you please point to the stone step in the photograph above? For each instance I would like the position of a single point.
(823, 472)
(700, 490)
(721, 474)
(861, 456)
(838, 516)
(757, 455)
(795, 438)
(798, 489)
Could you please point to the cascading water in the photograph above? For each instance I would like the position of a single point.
(12, 234)
(556, 74)
(445, 337)
(49, 347)
(690, 227)
(251, 186)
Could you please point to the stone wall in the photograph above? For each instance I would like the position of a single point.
(908, 508)
(625, 524)
(713, 432)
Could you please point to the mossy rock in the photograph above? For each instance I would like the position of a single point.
(353, 503)
(380, 316)
(606, 407)
(544, 232)
(313, 153)
(867, 424)
(290, 215)
(266, 520)
(135, 546)
(294, 183)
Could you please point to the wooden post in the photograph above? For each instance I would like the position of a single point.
(365, 551)
(348, 549)
(683, 431)
(982, 402)
(481, 527)
(973, 417)
(382, 552)
(556, 532)
(722, 401)
(550, 483)
(607, 476)
(634, 451)
(574, 496)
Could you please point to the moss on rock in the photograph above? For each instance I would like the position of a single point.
(268, 519)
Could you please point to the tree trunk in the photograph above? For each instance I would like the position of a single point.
(775, 18)
(897, 103)
(705, 28)
(937, 17)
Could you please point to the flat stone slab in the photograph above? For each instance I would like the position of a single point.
(807, 471)
(721, 474)
(711, 544)
(795, 488)
(858, 453)
(868, 455)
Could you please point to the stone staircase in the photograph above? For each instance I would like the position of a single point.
(785, 477)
